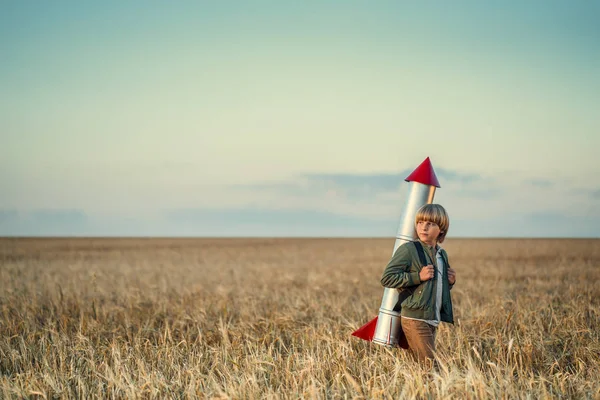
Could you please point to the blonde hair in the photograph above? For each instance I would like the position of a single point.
(437, 214)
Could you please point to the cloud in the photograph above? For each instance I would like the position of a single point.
(355, 185)
(59, 217)
(43, 222)
(343, 204)
(445, 174)
(358, 186)
(541, 183)
(201, 222)
(256, 222)
(482, 193)
(384, 182)
(558, 224)
(467, 195)
(8, 216)
(289, 222)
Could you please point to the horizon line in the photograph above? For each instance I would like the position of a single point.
(132, 237)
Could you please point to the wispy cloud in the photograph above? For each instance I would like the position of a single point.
(458, 176)
(383, 182)
(289, 222)
(377, 195)
(257, 215)
(50, 217)
(560, 224)
(339, 204)
(8, 215)
(541, 183)
(360, 185)
(482, 193)
(255, 221)
(43, 222)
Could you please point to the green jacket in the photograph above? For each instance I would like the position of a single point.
(417, 298)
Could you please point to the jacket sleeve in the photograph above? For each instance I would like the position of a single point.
(397, 273)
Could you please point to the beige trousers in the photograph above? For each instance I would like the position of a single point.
(421, 338)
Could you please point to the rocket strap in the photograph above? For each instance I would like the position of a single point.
(421, 253)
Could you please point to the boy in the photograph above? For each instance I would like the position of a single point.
(424, 290)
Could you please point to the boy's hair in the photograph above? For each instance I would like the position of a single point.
(437, 214)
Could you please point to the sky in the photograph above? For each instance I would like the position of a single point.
(288, 118)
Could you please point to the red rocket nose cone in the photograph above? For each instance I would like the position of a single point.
(424, 174)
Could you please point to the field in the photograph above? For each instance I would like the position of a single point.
(272, 318)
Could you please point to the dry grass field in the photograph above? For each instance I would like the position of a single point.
(272, 318)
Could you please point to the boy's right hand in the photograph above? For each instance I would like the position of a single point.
(426, 273)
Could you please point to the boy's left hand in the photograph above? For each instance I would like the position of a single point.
(451, 276)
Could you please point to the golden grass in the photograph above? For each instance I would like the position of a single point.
(272, 318)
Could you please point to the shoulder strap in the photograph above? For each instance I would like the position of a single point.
(419, 247)
(445, 258)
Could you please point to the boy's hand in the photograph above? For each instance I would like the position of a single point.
(426, 273)
(451, 276)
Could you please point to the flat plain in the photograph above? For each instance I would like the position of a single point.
(272, 318)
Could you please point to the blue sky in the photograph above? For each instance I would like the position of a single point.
(297, 118)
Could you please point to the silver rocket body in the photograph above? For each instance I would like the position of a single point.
(388, 321)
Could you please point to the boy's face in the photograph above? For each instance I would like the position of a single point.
(428, 232)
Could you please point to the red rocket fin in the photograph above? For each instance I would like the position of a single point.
(366, 331)
(424, 174)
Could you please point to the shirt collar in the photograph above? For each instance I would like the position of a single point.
(430, 248)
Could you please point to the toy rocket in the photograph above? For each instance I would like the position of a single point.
(385, 328)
